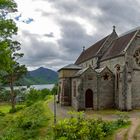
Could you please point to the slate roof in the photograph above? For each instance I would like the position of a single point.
(118, 46)
(71, 67)
(80, 72)
(91, 51)
(115, 49)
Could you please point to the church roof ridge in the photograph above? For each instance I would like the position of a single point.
(127, 32)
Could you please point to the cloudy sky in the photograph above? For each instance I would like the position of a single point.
(53, 32)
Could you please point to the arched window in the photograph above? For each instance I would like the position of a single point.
(74, 88)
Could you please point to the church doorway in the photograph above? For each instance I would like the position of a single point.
(89, 99)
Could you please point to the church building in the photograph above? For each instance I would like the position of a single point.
(105, 75)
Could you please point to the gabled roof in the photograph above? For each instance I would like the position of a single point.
(70, 67)
(80, 72)
(118, 46)
(100, 70)
(91, 51)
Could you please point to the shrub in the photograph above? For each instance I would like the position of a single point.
(77, 128)
(25, 125)
(5, 95)
(2, 114)
(35, 95)
(16, 109)
(123, 119)
(32, 117)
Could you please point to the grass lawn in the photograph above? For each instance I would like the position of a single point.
(5, 107)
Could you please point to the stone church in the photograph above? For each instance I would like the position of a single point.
(105, 75)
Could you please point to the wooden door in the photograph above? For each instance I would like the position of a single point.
(89, 99)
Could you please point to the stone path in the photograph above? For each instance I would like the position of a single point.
(62, 112)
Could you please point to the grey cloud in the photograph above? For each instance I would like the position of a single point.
(37, 52)
(122, 13)
(49, 35)
(74, 37)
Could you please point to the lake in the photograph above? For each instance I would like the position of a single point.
(38, 87)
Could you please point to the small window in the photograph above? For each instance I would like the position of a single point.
(74, 88)
(117, 80)
(117, 67)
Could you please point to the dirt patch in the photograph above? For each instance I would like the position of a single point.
(134, 124)
(120, 135)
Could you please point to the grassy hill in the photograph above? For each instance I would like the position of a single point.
(40, 76)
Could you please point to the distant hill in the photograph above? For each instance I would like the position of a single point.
(40, 76)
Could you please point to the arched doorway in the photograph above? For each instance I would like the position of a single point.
(89, 99)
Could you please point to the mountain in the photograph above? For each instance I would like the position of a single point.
(40, 76)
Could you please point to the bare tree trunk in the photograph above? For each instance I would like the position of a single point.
(13, 96)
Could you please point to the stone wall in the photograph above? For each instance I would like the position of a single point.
(89, 81)
(111, 63)
(91, 62)
(136, 90)
(67, 73)
(65, 91)
(133, 58)
(75, 85)
(106, 90)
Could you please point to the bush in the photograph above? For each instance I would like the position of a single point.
(16, 109)
(32, 117)
(5, 95)
(2, 114)
(77, 128)
(25, 125)
(36, 95)
(123, 119)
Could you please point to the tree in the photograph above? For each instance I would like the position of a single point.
(7, 30)
(10, 70)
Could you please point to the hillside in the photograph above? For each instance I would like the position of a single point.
(40, 76)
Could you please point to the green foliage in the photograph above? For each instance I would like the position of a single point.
(55, 89)
(5, 95)
(77, 128)
(25, 125)
(2, 114)
(35, 95)
(15, 109)
(122, 119)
